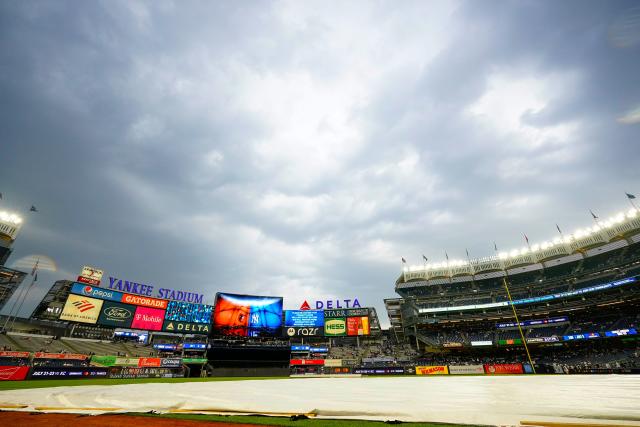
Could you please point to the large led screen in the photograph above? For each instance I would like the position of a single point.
(188, 312)
(304, 318)
(358, 326)
(247, 315)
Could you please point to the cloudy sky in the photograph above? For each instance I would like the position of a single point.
(302, 148)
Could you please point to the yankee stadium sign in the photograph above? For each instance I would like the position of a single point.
(145, 289)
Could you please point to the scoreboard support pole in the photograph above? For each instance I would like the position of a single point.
(515, 314)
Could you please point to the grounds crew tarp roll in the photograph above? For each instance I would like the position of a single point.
(466, 369)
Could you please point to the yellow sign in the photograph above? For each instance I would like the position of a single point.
(432, 370)
(81, 309)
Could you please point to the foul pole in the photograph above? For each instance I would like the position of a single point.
(515, 314)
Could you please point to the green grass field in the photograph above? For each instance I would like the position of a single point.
(279, 421)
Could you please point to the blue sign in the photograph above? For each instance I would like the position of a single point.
(194, 346)
(621, 332)
(319, 350)
(96, 292)
(588, 335)
(165, 346)
(304, 318)
(300, 348)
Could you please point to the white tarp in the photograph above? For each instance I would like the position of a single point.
(454, 399)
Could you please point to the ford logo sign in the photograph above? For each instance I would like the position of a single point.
(117, 313)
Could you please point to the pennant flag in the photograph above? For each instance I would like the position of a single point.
(425, 258)
(558, 227)
(33, 209)
(0, 196)
(404, 261)
(495, 246)
(526, 238)
(467, 251)
(592, 214)
(629, 196)
(446, 255)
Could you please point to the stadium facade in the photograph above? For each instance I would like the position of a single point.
(578, 287)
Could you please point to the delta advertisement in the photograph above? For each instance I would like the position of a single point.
(107, 307)
(504, 368)
(432, 370)
(247, 315)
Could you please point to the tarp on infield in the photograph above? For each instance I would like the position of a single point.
(492, 400)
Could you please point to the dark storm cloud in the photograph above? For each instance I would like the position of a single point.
(285, 148)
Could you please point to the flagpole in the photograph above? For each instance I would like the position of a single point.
(515, 314)
(630, 197)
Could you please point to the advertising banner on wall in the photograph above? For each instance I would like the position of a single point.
(96, 292)
(335, 327)
(147, 318)
(41, 373)
(60, 356)
(145, 301)
(315, 362)
(127, 361)
(481, 343)
(466, 369)
(347, 312)
(103, 360)
(130, 372)
(186, 328)
(379, 371)
(504, 368)
(194, 360)
(81, 309)
(432, 370)
(13, 373)
(302, 332)
(357, 326)
(116, 314)
(15, 354)
(149, 362)
(304, 318)
(171, 363)
(247, 315)
(91, 273)
(333, 363)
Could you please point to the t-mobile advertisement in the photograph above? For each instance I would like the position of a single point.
(148, 318)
